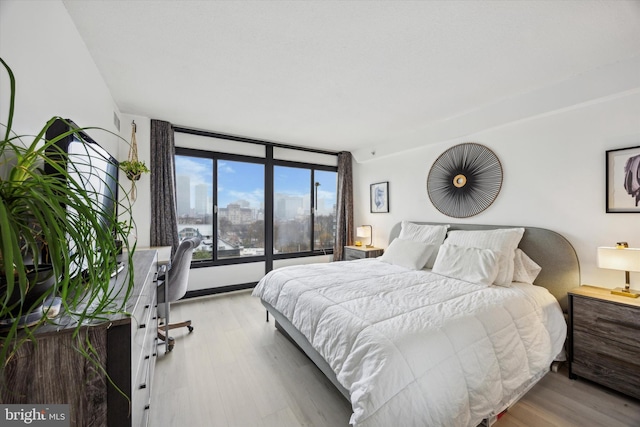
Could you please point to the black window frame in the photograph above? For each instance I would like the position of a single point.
(269, 164)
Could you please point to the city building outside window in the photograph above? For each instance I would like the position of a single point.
(223, 201)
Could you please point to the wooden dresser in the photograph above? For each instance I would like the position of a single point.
(604, 339)
(54, 372)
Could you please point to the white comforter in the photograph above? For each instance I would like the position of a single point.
(418, 349)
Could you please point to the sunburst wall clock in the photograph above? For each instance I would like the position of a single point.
(464, 180)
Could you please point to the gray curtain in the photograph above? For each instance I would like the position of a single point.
(164, 219)
(344, 219)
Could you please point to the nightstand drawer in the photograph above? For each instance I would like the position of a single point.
(361, 252)
(608, 376)
(598, 349)
(351, 254)
(606, 319)
(607, 362)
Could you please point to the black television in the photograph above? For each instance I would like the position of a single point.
(88, 163)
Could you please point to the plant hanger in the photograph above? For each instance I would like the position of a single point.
(133, 149)
(133, 167)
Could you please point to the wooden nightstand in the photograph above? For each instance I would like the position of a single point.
(360, 252)
(604, 338)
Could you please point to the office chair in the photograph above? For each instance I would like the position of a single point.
(173, 280)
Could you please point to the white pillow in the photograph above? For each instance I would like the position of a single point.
(407, 253)
(425, 233)
(525, 269)
(471, 264)
(503, 241)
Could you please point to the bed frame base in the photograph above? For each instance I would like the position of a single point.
(296, 337)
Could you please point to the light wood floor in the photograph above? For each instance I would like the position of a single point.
(237, 370)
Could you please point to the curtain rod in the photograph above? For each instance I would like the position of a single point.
(250, 140)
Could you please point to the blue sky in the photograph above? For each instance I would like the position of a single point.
(245, 181)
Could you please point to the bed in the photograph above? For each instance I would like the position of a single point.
(436, 331)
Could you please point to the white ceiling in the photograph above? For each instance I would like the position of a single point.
(345, 75)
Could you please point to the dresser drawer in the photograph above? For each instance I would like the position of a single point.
(141, 394)
(141, 384)
(144, 341)
(141, 334)
(606, 319)
(145, 417)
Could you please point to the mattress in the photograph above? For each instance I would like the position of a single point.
(417, 347)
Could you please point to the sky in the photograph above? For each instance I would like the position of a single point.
(245, 181)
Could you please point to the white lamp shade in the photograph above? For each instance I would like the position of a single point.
(627, 259)
(363, 232)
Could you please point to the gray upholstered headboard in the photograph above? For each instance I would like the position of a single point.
(551, 251)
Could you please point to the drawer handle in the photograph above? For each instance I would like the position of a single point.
(142, 326)
(147, 306)
(146, 357)
(146, 407)
(142, 386)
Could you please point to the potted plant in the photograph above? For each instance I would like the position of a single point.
(134, 169)
(42, 216)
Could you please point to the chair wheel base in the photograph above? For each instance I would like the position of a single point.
(170, 341)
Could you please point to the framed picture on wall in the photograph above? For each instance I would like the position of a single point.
(623, 180)
(379, 197)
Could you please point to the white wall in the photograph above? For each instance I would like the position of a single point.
(55, 75)
(554, 177)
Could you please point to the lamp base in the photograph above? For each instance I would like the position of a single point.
(630, 293)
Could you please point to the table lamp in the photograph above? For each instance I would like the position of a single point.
(620, 258)
(363, 232)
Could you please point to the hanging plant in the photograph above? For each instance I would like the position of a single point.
(132, 167)
(134, 170)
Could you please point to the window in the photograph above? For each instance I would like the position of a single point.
(194, 195)
(291, 210)
(303, 197)
(326, 199)
(222, 198)
(240, 209)
(239, 191)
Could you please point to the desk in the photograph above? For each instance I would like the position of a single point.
(164, 254)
